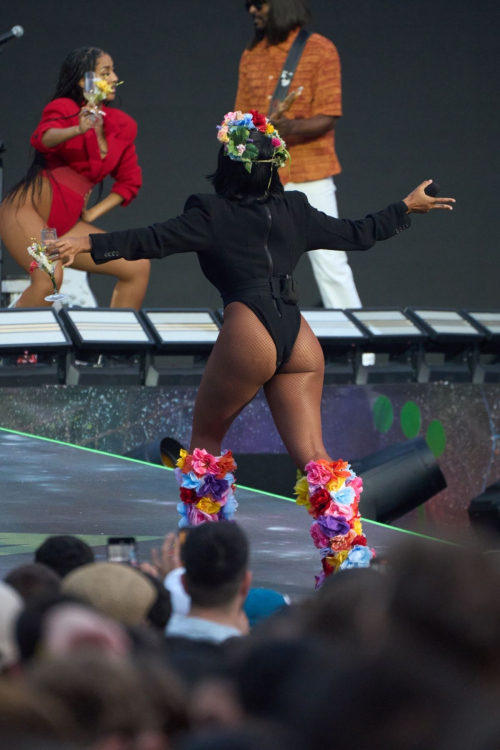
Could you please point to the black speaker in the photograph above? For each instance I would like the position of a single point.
(397, 480)
(484, 510)
(162, 452)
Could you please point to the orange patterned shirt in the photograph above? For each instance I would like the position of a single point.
(319, 73)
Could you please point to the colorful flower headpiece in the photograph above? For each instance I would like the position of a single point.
(235, 134)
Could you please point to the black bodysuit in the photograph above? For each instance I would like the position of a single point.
(249, 251)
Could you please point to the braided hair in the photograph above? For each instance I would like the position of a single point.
(72, 71)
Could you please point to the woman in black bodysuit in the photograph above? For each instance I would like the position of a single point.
(249, 237)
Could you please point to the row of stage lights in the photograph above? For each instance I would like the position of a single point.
(413, 345)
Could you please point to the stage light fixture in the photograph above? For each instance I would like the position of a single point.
(38, 331)
(452, 346)
(333, 326)
(484, 510)
(341, 339)
(487, 367)
(162, 452)
(184, 338)
(445, 325)
(180, 331)
(396, 339)
(116, 338)
(397, 480)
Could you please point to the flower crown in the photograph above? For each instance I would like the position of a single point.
(235, 135)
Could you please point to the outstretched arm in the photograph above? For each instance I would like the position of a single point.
(190, 232)
(342, 234)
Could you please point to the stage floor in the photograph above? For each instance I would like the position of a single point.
(54, 488)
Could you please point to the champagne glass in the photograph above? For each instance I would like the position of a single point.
(50, 235)
(89, 92)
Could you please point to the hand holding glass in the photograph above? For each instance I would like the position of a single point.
(90, 93)
(50, 235)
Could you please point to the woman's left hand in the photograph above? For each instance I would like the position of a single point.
(67, 249)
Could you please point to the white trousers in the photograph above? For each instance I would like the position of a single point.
(332, 272)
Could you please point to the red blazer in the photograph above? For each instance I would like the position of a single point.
(81, 153)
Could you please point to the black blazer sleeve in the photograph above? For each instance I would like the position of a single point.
(325, 232)
(190, 232)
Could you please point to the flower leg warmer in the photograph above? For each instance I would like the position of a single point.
(207, 485)
(330, 492)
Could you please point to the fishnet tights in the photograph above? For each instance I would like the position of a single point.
(242, 361)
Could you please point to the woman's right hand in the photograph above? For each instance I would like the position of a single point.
(419, 202)
(85, 121)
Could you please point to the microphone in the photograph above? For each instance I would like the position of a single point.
(15, 32)
(432, 190)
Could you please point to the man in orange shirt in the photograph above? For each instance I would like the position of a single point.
(309, 128)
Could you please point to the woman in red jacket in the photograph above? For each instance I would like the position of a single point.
(73, 153)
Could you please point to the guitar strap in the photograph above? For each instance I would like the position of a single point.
(289, 68)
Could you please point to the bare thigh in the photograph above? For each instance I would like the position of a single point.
(294, 398)
(22, 220)
(242, 360)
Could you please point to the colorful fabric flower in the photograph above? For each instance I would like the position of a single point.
(319, 502)
(302, 491)
(341, 543)
(226, 464)
(318, 473)
(191, 482)
(260, 121)
(345, 496)
(213, 486)
(206, 505)
(33, 266)
(222, 135)
(357, 526)
(333, 526)
(188, 496)
(276, 142)
(340, 510)
(270, 129)
(229, 509)
(357, 485)
(332, 563)
(195, 517)
(358, 557)
(319, 538)
(204, 462)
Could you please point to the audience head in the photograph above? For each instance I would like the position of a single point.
(70, 627)
(260, 736)
(262, 603)
(33, 581)
(215, 557)
(117, 591)
(30, 720)
(104, 695)
(11, 606)
(64, 554)
(161, 610)
(30, 626)
(446, 597)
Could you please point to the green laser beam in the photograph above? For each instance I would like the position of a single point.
(249, 489)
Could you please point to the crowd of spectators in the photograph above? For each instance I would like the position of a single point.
(185, 653)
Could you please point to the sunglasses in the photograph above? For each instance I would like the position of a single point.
(257, 4)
